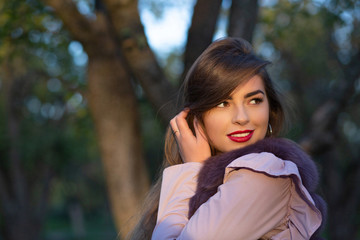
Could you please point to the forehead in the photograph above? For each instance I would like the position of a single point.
(253, 84)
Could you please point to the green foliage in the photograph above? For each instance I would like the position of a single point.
(302, 37)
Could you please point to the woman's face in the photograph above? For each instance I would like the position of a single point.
(240, 120)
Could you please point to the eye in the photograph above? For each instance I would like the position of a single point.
(223, 104)
(256, 101)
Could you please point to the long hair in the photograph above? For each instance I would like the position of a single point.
(217, 72)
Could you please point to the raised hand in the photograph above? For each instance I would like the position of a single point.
(192, 148)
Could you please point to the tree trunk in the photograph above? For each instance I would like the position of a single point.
(113, 106)
(201, 31)
(243, 18)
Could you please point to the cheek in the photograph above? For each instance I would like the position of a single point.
(259, 116)
(262, 118)
(213, 124)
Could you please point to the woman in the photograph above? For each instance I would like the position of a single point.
(229, 178)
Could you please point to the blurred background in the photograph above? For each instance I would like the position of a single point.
(87, 88)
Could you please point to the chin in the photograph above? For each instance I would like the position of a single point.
(241, 145)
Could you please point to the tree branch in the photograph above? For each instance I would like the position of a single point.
(139, 57)
(79, 26)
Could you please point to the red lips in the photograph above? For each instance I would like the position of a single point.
(240, 136)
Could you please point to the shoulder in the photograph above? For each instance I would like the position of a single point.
(261, 175)
(264, 162)
(258, 187)
(277, 179)
(265, 176)
(271, 166)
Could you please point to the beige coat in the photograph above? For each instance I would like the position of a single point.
(259, 201)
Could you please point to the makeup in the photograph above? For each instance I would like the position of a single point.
(240, 136)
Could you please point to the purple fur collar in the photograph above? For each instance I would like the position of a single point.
(212, 173)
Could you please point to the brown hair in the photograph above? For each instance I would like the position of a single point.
(223, 66)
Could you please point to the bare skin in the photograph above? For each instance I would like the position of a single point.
(192, 148)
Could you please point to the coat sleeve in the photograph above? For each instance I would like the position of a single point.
(247, 206)
(178, 186)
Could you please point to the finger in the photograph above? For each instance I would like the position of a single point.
(174, 126)
(182, 124)
(183, 113)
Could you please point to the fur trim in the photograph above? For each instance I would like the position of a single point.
(212, 173)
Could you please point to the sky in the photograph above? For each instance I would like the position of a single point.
(168, 31)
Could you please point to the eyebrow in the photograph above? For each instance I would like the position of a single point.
(250, 94)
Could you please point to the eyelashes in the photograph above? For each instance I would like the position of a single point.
(223, 104)
(256, 101)
(252, 101)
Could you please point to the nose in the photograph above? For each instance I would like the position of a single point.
(240, 115)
